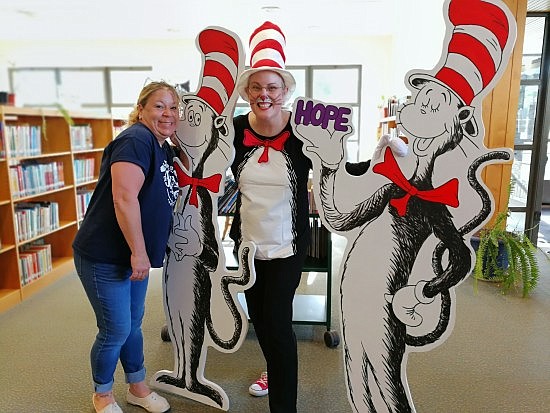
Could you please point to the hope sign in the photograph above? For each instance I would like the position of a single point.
(319, 114)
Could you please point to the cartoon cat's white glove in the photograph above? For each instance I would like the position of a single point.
(397, 145)
(407, 301)
(184, 239)
(327, 144)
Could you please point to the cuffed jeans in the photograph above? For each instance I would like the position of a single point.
(119, 305)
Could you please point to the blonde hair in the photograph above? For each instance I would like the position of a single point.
(144, 95)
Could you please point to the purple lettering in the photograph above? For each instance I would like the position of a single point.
(302, 115)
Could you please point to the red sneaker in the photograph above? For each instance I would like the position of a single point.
(259, 387)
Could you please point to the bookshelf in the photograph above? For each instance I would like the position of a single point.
(387, 124)
(44, 167)
(309, 309)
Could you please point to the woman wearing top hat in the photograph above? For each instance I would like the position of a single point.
(272, 211)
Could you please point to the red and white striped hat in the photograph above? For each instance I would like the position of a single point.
(481, 42)
(267, 44)
(221, 64)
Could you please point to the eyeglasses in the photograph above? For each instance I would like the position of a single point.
(272, 89)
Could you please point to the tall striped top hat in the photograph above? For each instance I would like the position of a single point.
(220, 68)
(267, 44)
(478, 50)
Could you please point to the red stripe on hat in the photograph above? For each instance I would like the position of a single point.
(216, 69)
(266, 26)
(457, 83)
(269, 44)
(475, 51)
(268, 63)
(211, 97)
(211, 40)
(480, 13)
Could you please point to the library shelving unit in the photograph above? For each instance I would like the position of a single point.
(386, 125)
(40, 178)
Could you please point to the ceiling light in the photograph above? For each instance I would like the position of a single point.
(270, 9)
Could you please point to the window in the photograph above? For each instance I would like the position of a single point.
(102, 89)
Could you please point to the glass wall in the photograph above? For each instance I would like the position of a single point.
(531, 139)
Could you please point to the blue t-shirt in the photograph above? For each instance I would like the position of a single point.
(100, 238)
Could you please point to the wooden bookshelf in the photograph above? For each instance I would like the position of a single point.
(37, 168)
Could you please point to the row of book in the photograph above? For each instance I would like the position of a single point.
(312, 203)
(84, 169)
(33, 177)
(390, 107)
(23, 140)
(33, 219)
(388, 129)
(227, 202)
(2, 144)
(318, 248)
(83, 197)
(35, 260)
(81, 137)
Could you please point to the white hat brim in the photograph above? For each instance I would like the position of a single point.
(289, 80)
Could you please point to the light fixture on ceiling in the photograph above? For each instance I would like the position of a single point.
(270, 9)
(25, 13)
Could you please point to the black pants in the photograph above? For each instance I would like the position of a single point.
(269, 303)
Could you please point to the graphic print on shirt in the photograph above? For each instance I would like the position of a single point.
(169, 179)
(408, 220)
(199, 293)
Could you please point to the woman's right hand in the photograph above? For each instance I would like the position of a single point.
(140, 267)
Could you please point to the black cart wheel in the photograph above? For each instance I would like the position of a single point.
(164, 334)
(332, 338)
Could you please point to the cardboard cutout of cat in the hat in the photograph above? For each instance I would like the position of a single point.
(408, 220)
(200, 295)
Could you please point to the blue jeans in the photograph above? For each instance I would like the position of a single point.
(119, 305)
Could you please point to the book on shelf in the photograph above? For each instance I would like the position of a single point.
(227, 202)
(81, 137)
(23, 140)
(84, 169)
(35, 260)
(33, 219)
(33, 177)
(83, 197)
(318, 247)
(2, 144)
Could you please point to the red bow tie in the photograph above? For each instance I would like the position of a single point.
(212, 183)
(445, 194)
(276, 143)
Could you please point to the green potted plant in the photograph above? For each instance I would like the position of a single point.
(507, 257)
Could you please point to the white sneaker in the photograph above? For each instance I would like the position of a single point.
(110, 408)
(153, 403)
(259, 387)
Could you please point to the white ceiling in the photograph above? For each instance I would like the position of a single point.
(177, 19)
